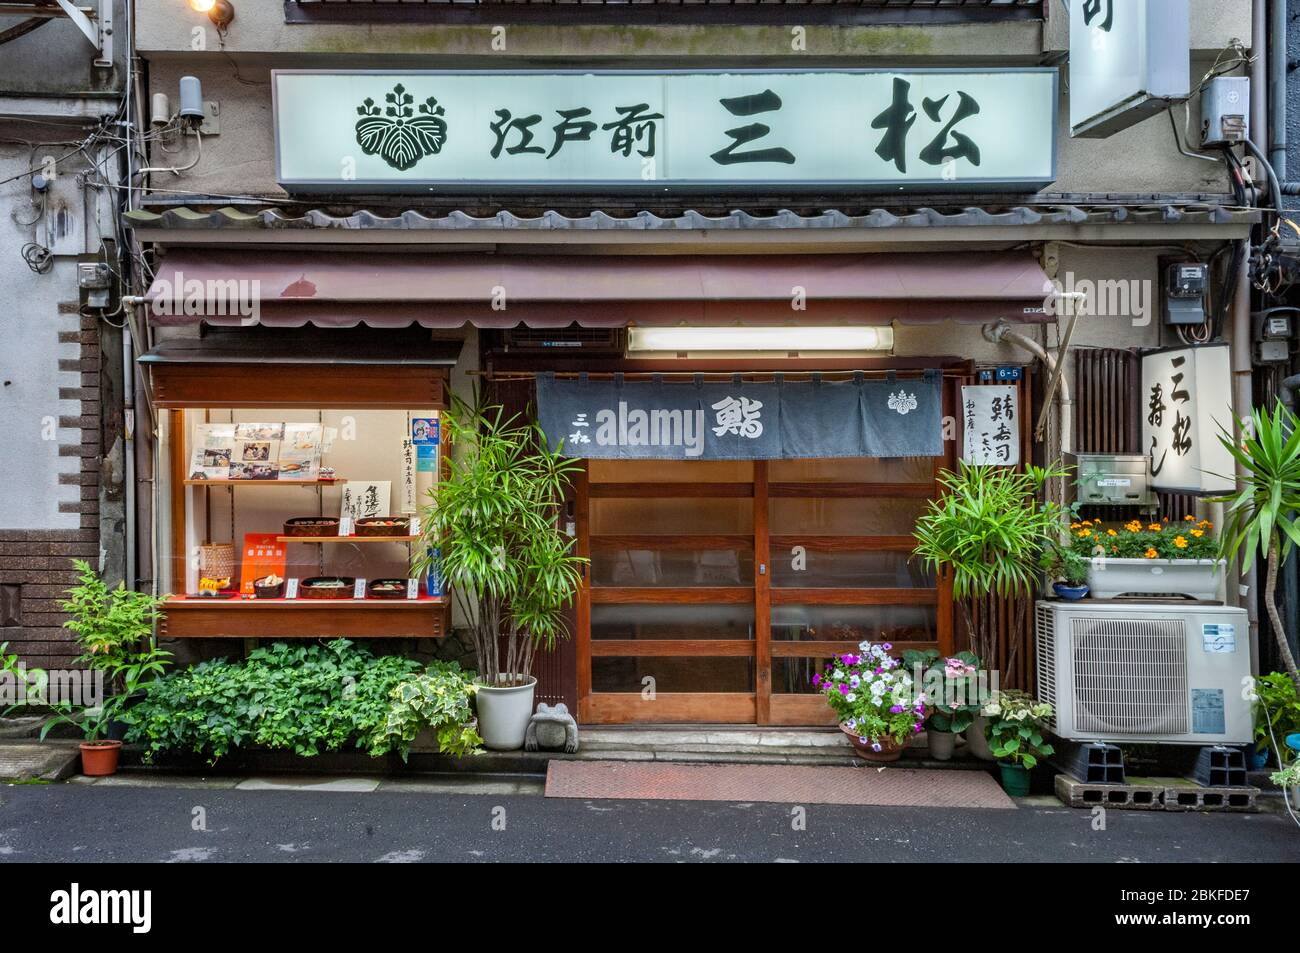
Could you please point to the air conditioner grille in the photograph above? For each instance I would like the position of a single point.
(1130, 675)
(1046, 643)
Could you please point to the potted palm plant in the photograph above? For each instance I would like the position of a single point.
(492, 529)
(989, 530)
(1260, 517)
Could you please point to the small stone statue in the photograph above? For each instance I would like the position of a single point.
(552, 729)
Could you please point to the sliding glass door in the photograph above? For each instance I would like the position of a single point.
(716, 589)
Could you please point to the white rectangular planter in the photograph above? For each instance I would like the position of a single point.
(1195, 578)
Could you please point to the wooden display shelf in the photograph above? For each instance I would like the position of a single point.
(427, 617)
(346, 539)
(335, 482)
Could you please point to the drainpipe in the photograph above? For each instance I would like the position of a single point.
(1243, 400)
(1277, 70)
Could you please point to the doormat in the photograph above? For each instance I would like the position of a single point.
(781, 783)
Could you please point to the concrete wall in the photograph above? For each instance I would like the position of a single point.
(235, 73)
(55, 489)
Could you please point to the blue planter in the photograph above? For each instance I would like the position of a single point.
(1070, 593)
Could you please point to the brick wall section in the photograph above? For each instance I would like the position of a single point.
(38, 560)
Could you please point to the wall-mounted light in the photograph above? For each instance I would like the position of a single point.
(220, 12)
(801, 339)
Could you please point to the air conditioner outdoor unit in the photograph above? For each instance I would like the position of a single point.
(1142, 672)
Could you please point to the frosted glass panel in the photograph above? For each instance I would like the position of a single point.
(845, 517)
(853, 470)
(672, 622)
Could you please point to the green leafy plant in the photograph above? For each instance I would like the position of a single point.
(302, 698)
(436, 700)
(114, 629)
(1277, 710)
(494, 524)
(1064, 564)
(1261, 514)
(1015, 728)
(950, 685)
(1288, 777)
(989, 530)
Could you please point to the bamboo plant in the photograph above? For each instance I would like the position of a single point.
(989, 529)
(493, 528)
(1260, 516)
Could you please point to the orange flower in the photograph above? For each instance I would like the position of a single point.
(1150, 553)
(1180, 542)
(1074, 526)
(1111, 532)
(1084, 533)
(1133, 526)
(1154, 527)
(1190, 519)
(1198, 533)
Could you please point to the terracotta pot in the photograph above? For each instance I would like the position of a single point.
(99, 758)
(890, 750)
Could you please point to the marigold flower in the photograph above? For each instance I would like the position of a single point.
(1180, 542)
(1111, 532)
(1084, 533)
(1190, 519)
(1150, 553)
(1074, 526)
(1154, 527)
(1198, 533)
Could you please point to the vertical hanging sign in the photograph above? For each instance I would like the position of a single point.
(991, 425)
(1186, 398)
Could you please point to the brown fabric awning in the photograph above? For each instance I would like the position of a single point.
(393, 289)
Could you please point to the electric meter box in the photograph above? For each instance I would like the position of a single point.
(1113, 479)
(1186, 285)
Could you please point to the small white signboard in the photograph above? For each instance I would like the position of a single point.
(990, 425)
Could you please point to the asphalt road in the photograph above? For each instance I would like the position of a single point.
(84, 824)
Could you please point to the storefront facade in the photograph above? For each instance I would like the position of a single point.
(765, 356)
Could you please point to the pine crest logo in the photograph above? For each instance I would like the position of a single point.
(396, 134)
(903, 402)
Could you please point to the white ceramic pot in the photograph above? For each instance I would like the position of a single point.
(1194, 578)
(976, 741)
(941, 744)
(504, 713)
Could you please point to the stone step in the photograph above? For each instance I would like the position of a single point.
(48, 761)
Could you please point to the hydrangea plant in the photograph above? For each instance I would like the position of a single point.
(873, 695)
(1015, 728)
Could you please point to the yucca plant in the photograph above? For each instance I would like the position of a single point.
(990, 530)
(1260, 517)
(493, 527)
